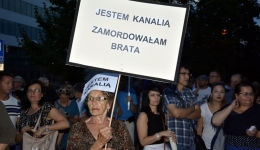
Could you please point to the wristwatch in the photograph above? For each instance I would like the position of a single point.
(47, 128)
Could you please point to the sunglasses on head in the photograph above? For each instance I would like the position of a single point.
(64, 90)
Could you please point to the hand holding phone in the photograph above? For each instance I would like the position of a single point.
(251, 128)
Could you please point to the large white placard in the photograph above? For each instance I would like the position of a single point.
(129, 37)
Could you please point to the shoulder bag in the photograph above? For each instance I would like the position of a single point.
(47, 142)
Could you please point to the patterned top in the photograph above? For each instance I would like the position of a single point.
(80, 138)
(181, 126)
(31, 120)
(236, 124)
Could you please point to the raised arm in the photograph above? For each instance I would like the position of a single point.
(219, 117)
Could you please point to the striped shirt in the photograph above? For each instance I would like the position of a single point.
(181, 126)
(13, 108)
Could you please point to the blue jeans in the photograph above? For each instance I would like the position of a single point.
(180, 147)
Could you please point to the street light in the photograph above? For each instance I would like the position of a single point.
(224, 32)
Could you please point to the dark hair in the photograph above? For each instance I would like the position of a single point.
(218, 72)
(244, 84)
(146, 101)
(79, 87)
(2, 74)
(18, 93)
(26, 103)
(184, 66)
(212, 88)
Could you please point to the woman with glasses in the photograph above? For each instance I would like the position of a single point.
(95, 133)
(216, 101)
(32, 106)
(71, 111)
(240, 119)
(151, 121)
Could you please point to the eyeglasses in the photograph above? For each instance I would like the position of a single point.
(34, 91)
(155, 95)
(64, 90)
(91, 99)
(247, 94)
(184, 73)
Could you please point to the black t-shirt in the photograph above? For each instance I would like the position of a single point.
(155, 125)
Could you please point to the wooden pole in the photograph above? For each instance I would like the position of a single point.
(114, 102)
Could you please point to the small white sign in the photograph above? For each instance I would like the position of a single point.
(104, 82)
(135, 38)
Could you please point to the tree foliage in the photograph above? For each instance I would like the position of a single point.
(51, 50)
(206, 45)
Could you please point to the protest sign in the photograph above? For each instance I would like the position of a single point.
(141, 39)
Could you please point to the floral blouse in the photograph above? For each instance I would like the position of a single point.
(80, 138)
(30, 120)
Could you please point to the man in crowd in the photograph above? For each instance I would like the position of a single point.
(202, 92)
(214, 77)
(51, 94)
(235, 79)
(123, 98)
(181, 106)
(11, 104)
(18, 83)
(7, 130)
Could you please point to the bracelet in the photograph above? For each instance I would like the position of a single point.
(157, 136)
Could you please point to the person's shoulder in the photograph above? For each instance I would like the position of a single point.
(203, 106)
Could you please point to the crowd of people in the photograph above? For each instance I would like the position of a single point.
(148, 115)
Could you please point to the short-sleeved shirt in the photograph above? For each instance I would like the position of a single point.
(122, 99)
(13, 108)
(181, 126)
(235, 126)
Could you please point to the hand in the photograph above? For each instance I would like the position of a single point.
(105, 135)
(169, 133)
(234, 104)
(253, 132)
(26, 129)
(129, 98)
(39, 132)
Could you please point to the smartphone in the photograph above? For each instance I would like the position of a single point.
(66, 113)
(251, 128)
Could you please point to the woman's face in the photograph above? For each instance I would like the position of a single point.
(34, 93)
(64, 98)
(97, 103)
(218, 93)
(246, 96)
(154, 98)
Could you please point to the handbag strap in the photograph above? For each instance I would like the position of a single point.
(163, 122)
(38, 120)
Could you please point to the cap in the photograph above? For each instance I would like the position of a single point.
(203, 77)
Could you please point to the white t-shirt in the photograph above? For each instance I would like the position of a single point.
(13, 108)
(208, 130)
(203, 95)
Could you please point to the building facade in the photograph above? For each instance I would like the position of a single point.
(14, 16)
